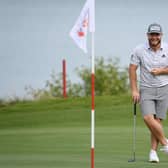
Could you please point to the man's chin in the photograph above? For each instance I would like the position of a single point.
(154, 44)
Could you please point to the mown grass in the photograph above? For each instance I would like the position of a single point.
(55, 133)
(110, 111)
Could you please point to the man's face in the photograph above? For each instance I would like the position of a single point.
(154, 39)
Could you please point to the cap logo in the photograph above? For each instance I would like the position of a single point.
(155, 28)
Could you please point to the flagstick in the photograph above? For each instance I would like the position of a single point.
(93, 101)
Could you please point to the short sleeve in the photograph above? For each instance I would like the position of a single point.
(135, 59)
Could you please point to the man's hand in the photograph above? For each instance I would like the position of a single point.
(160, 71)
(157, 71)
(135, 96)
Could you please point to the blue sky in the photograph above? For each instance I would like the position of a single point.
(34, 37)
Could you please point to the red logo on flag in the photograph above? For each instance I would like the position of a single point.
(81, 33)
(85, 23)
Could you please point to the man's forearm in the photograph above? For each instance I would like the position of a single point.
(133, 78)
(164, 71)
(133, 83)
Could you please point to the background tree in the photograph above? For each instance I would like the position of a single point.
(110, 79)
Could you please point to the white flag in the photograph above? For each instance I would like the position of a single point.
(85, 19)
(92, 15)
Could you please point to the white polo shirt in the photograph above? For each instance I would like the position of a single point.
(144, 57)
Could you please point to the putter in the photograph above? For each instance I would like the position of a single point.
(133, 159)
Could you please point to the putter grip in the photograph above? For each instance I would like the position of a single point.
(134, 108)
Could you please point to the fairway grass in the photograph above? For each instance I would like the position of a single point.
(70, 148)
(56, 134)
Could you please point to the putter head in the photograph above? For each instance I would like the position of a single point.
(132, 160)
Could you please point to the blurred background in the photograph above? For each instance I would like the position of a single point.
(34, 37)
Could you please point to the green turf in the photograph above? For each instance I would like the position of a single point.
(56, 134)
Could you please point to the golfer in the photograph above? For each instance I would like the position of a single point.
(152, 94)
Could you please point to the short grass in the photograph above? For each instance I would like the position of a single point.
(55, 133)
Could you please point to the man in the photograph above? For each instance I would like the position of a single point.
(152, 58)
